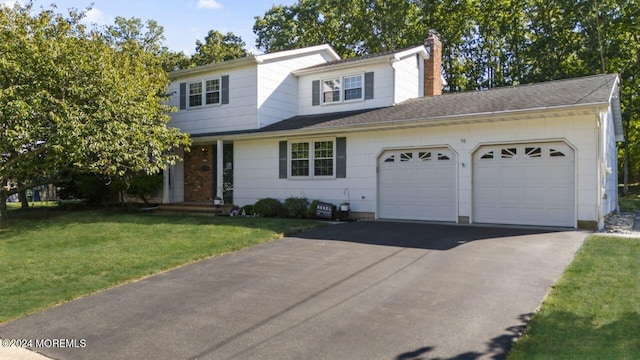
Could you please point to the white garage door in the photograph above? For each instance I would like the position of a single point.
(528, 184)
(417, 184)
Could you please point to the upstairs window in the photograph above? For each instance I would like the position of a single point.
(330, 91)
(342, 89)
(212, 94)
(353, 88)
(208, 91)
(195, 94)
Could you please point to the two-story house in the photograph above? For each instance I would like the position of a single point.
(376, 131)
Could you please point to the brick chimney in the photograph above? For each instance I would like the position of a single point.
(433, 65)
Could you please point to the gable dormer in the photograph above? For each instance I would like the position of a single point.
(367, 82)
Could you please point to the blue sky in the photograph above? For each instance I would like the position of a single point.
(184, 21)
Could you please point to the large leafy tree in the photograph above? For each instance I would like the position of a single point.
(70, 99)
(218, 47)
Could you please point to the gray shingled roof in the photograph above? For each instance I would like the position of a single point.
(551, 94)
(595, 89)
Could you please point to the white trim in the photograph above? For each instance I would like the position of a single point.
(297, 52)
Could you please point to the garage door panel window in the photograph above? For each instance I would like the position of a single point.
(404, 157)
(509, 153)
(533, 152)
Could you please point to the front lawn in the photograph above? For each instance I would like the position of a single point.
(48, 257)
(593, 312)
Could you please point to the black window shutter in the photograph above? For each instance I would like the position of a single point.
(315, 93)
(341, 157)
(283, 160)
(225, 89)
(183, 96)
(368, 85)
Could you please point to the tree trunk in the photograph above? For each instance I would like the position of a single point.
(3, 209)
(23, 199)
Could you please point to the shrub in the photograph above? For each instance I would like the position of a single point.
(296, 207)
(269, 207)
(311, 212)
(248, 210)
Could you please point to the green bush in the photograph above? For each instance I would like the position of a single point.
(296, 207)
(248, 210)
(269, 207)
(311, 212)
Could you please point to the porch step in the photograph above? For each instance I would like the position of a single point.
(195, 208)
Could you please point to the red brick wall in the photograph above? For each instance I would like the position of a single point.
(198, 174)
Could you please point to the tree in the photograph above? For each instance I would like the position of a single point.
(149, 36)
(218, 47)
(69, 99)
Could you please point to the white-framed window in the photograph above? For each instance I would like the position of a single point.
(331, 91)
(212, 91)
(204, 92)
(312, 158)
(342, 89)
(195, 94)
(353, 89)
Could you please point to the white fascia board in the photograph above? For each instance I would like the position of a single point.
(215, 67)
(409, 52)
(298, 52)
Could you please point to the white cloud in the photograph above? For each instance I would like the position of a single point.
(209, 4)
(94, 16)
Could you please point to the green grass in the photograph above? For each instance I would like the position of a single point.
(37, 204)
(48, 257)
(630, 202)
(593, 312)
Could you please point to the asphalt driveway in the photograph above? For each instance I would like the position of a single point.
(363, 290)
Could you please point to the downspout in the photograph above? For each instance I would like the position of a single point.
(390, 61)
(599, 161)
